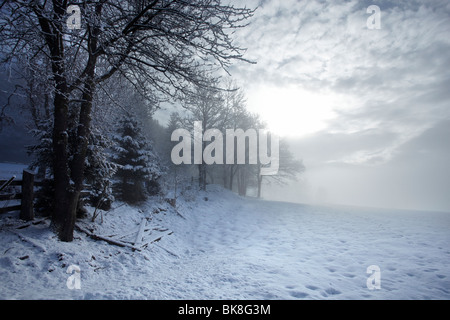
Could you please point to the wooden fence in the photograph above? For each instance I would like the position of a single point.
(26, 196)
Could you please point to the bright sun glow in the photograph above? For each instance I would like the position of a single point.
(291, 111)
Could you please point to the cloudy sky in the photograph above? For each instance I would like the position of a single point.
(368, 110)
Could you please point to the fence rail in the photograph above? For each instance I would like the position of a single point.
(26, 195)
(10, 196)
(13, 183)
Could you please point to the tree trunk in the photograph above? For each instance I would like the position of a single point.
(53, 35)
(232, 172)
(202, 176)
(225, 176)
(60, 157)
(241, 181)
(81, 141)
(259, 177)
(82, 138)
(78, 163)
(259, 185)
(202, 166)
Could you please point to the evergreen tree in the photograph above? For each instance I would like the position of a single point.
(43, 159)
(99, 171)
(138, 165)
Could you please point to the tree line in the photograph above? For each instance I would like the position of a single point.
(224, 110)
(84, 90)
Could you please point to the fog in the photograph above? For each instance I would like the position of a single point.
(368, 110)
(418, 176)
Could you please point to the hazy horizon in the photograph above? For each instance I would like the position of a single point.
(368, 110)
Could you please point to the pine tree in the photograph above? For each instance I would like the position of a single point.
(138, 165)
(99, 171)
(43, 159)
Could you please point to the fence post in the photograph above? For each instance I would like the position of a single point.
(26, 210)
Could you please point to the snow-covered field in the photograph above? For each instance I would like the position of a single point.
(228, 247)
(7, 170)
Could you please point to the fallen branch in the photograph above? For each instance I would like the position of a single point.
(107, 239)
(159, 237)
(140, 233)
(168, 251)
(128, 234)
(34, 222)
(178, 213)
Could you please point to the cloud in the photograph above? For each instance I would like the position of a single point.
(304, 40)
(395, 79)
(388, 91)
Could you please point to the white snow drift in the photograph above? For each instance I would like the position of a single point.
(221, 246)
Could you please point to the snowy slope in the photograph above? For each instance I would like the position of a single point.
(228, 247)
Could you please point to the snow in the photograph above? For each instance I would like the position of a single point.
(222, 246)
(7, 170)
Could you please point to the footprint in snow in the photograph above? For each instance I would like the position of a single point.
(311, 287)
(332, 291)
(349, 275)
(392, 268)
(298, 294)
(290, 287)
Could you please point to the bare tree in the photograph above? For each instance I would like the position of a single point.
(205, 106)
(235, 116)
(289, 168)
(155, 44)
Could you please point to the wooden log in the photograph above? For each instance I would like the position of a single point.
(157, 238)
(140, 233)
(107, 239)
(121, 236)
(26, 210)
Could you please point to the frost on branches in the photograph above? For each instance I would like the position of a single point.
(99, 171)
(138, 164)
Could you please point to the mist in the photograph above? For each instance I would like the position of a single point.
(366, 109)
(416, 178)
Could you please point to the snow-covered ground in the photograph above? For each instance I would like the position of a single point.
(228, 247)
